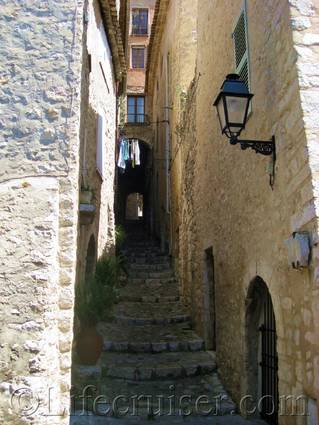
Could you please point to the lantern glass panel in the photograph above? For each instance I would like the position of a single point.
(221, 113)
(237, 108)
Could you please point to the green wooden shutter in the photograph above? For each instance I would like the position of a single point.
(240, 37)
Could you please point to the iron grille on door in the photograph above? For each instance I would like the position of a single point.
(269, 365)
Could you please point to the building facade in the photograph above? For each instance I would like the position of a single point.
(134, 123)
(58, 124)
(226, 226)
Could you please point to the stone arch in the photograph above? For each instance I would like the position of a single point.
(136, 179)
(258, 306)
(90, 259)
(143, 133)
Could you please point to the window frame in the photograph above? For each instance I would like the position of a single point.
(135, 114)
(138, 47)
(140, 34)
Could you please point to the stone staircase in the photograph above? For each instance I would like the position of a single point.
(151, 357)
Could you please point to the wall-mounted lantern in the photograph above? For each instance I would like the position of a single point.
(232, 105)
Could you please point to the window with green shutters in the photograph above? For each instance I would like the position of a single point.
(241, 49)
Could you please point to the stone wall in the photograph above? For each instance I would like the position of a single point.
(170, 71)
(41, 44)
(99, 99)
(223, 196)
(238, 214)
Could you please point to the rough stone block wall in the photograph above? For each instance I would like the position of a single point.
(40, 80)
(227, 202)
(174, 60)
(98, 98)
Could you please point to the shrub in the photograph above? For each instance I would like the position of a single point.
(120, 236)
(94, 299)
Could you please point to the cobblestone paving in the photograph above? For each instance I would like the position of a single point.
(153, 361)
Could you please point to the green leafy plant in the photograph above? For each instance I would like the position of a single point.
(120, 236)
(95, 298)
(84, 305)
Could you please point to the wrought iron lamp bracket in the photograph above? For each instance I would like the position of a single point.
(263, 147)
(267, 148)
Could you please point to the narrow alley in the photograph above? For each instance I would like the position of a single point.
(151, 356)
(159, 255)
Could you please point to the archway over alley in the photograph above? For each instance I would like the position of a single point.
(135, 181)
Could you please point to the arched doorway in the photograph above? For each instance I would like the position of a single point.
(90, 259)
(262, 357)
(134, 206)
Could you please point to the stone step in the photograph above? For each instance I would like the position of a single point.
(141, 244)
(154, 292)
(148, 260)
(144, 321)
(149, 395)
(168, 274)
(86, 375)
(151, 282)
(142, 251)
(136, 297)
(150, 267)
(88, 418)
(149, 338)
(145, 254)
(143, 367)
(149, 313)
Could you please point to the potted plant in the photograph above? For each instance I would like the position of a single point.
(93, 303)
(89, 342)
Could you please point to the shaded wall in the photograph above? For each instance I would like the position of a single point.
(97, 144)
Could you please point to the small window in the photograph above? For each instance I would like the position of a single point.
(138, 57)
(240, 37)
(139, 21)
(135, 109)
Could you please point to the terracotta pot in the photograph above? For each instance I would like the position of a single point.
(89, 346)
